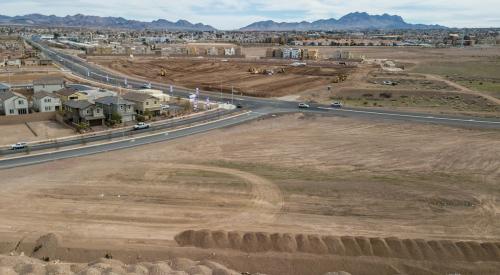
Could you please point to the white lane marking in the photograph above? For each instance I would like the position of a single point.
(412, 116)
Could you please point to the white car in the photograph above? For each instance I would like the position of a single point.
(304, 106)
(19, 146)
(337, 105)
(141, 126)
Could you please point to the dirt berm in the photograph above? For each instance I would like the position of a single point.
(413, 249)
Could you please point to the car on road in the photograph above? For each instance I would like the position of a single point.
(337, 105)
(19, 146)
(146, 86)
(164, 106)
(141, 126)
(304, 106)
(239, 105)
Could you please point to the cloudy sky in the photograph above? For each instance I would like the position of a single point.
(232, 14)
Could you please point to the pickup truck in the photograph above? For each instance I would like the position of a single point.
(141, 126)
(19, 146)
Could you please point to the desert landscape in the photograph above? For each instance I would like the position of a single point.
(296, 174)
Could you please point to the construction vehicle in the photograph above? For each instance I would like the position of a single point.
(163, 72)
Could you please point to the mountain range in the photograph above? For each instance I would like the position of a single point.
(352, 21)
(86, 21)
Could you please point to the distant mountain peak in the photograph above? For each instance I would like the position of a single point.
(351, 21)
(88, 21)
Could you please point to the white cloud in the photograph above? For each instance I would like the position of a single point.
(230, 14)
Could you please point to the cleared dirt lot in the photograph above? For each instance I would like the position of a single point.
(43, 129)
(211, 74)
(291, 174)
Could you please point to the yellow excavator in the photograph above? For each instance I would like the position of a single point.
(163, 72)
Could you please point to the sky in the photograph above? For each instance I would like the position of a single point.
(233, 14)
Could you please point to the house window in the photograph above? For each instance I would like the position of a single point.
(121, 107)
(48, 108)
(147, 102)
(21, 102)
(156, 102)
(88, 111)
(129, 107)
(97, 110)
(11, 111)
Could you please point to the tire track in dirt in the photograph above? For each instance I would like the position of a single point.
(266, 198)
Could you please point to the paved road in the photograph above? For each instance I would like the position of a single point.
(120, 133)
(128, 143)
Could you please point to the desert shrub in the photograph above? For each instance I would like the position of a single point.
(385, 95)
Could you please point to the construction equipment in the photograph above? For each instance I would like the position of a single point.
(163, 72)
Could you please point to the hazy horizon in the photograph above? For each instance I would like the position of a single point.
(234, 14)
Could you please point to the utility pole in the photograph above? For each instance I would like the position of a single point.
(232, 95)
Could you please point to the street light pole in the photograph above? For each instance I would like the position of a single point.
(232, 95)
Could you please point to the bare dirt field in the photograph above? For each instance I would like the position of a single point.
(211, 74)
(296, 174)
(43, 129)
(23, 77)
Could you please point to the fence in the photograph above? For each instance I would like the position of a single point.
(34, 117)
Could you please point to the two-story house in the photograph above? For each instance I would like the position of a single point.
(13, 104)
(46, 102)
(70, 94)
(83, 111)
(144, 103)
(118, 105)
(48, 84)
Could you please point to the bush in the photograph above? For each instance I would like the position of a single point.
(116, 117)
(140, 118)
(385, 95)
(367, 95)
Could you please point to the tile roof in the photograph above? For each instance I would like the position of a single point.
(49, 81)
(113, 100)
(78, 104)
(43, 94)
(139, 97)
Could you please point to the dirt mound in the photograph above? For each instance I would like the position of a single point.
(417, 249)
(46, 247)
(14, 265)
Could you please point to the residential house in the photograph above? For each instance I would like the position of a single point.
(92, 93)
(13, 104)
(30, 62)
(116, 104)
(14, 62)
(144, 103)
(4, 87)
(46, 102)
(48, 84)
(70, 93)
(83, 111)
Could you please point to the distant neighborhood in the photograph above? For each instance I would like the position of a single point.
(83, 106)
